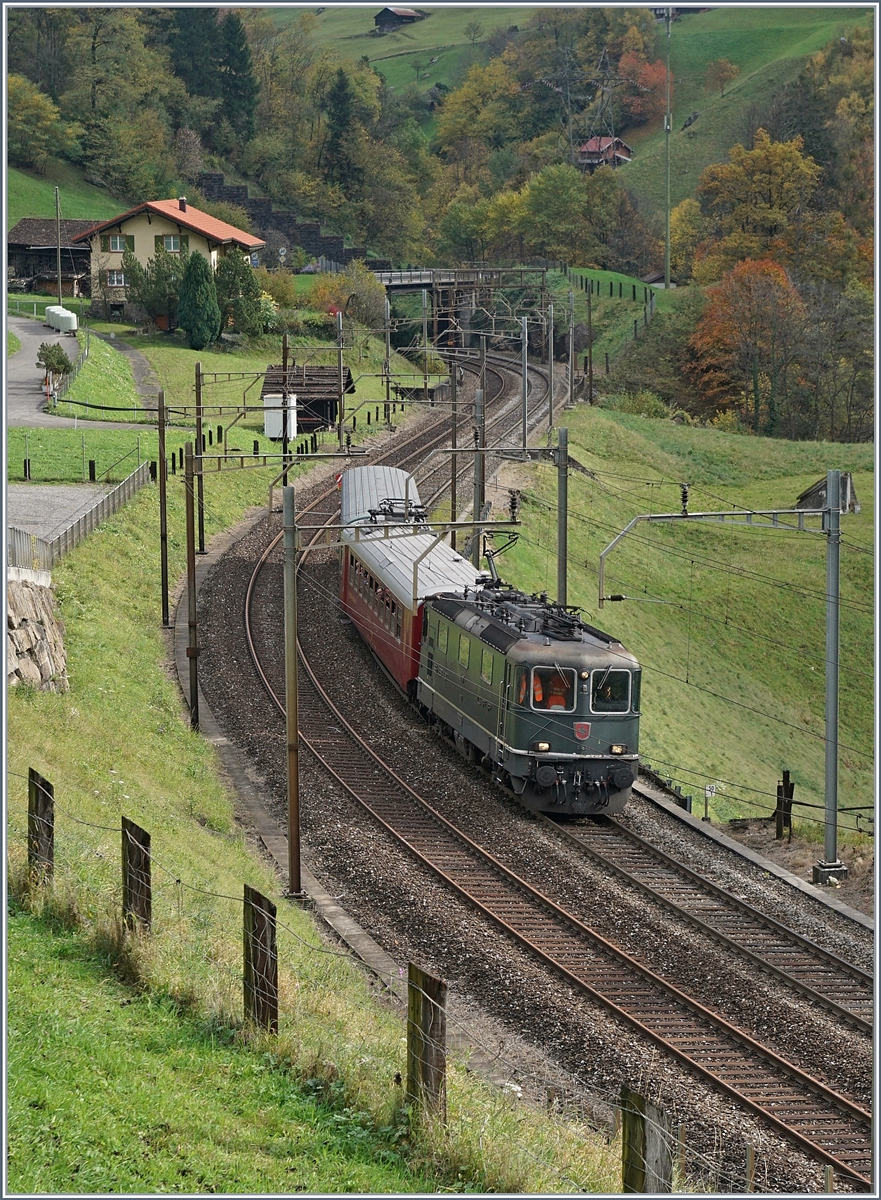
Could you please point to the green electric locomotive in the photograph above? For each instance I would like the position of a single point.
(547, 702)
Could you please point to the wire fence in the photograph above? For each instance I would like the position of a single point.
(244, 962)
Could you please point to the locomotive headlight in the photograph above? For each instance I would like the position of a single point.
(617, 748)
(541, 746)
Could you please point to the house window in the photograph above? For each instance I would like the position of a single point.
(171, 242)
(115, 279)
(117, 243)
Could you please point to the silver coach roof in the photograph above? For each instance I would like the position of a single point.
(390, 554)
(363, 488)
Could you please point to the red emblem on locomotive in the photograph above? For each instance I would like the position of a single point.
(582, 730)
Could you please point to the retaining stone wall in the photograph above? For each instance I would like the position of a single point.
(35, 651)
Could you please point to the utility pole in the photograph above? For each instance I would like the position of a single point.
(831, 867)
(424, 346)
(199, 483)
(524, 350)
(571, 401)
(550, 367)
(668, 120)
(562, 457)
(192, 620)
(163, 511)
(589, 349)
(454, 405)
(388, 359)
(479, 468)
(342, 383)
(58, 242)
(290, 674)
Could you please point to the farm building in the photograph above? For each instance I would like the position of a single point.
(603, 151)
(317, 391)
(394, 18)
(32, 256)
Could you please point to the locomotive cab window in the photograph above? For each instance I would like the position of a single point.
(634, 691)
(610, 691)
(553, 688)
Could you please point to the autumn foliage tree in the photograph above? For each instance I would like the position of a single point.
(719, 74)
(643, 97)
(747, 343)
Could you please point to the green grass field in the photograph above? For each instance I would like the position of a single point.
(30, 195)
(768, 44)
(728, 623)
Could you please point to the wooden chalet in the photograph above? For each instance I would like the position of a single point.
(393, 18)
(32, 257)
(603, 152)
(317, 390)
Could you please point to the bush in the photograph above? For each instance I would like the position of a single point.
(640, 404)
(729, 422)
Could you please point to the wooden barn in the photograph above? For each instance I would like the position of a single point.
(32, 256)
(393, 18)
(317, 390)
(603, 151)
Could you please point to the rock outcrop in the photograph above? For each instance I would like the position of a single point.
(35, 652)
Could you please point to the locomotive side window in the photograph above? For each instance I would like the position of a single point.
(443, 634)
(610, 691)
(553, 688)
(486, 666)
(464, 649)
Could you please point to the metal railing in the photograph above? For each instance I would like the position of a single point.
(36, 554)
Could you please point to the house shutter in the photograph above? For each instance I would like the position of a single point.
(105, 243)
(159, 242)
(102, 278)
(184, 242)
(130, 242)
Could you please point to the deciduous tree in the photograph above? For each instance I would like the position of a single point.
(719, 74)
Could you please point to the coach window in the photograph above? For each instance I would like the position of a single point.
(464, 649)
(610, 691)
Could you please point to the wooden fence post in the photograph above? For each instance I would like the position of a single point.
(646, 1149)
(750, 1169)
(137, 901)
(41, 825)
(426, 1041)
(261, 961)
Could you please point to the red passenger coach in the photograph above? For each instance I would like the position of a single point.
(391, 561)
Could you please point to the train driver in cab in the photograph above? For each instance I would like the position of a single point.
(550, 689)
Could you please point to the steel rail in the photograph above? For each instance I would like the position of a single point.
(658, 874)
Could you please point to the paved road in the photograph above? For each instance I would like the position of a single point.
(24, 394)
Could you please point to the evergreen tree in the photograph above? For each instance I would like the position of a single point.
(198, 311)
(338, 165)
(196, 50)
(239, 88)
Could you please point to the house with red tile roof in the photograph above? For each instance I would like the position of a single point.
(603, 151)
(170, 224)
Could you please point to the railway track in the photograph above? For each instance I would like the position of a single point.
(825, 1124)
(826, 979)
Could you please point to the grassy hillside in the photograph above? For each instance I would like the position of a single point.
(441, 35)
(728, 622)
(29, 195)
(768, 44)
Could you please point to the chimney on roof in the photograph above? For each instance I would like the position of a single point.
(182, 203)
